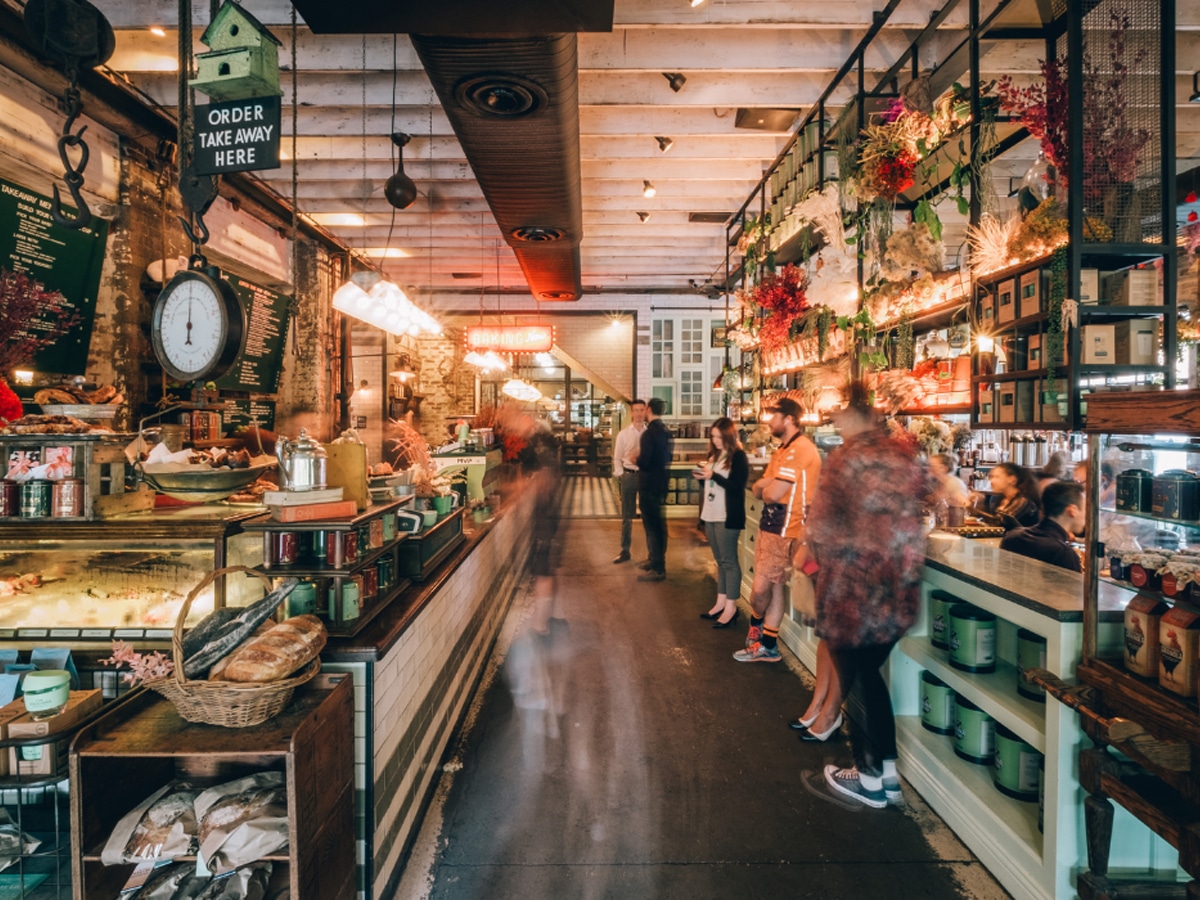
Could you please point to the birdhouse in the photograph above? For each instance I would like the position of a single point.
(243, 61)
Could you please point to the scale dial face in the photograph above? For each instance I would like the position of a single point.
(197, 327)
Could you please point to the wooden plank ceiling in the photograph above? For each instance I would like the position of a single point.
(736, 54)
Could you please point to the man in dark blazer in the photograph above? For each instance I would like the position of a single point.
(653, 461)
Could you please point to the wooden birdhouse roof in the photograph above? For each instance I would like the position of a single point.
(217, 35)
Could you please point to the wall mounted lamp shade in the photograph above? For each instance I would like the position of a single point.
(664, 144)
(521, 390)
(376, 301)
(644, 216)
(648, 190)
(676, 80)
(400, 190)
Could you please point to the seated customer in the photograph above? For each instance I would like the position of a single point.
(1063, 505)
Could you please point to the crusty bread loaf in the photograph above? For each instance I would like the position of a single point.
(278, 653)
(217, 672)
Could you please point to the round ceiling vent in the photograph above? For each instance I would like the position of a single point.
(508, 96)
(535, 234)
(557, 295)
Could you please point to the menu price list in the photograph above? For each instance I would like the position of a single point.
(261, 362)
(61, 259)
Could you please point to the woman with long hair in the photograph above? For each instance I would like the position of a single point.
(726, 472)
(1019, 495)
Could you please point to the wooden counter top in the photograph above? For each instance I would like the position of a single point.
(1048, 590)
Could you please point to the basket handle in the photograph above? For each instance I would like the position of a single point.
(177, 634)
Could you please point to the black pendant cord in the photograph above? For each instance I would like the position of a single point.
(294, 306)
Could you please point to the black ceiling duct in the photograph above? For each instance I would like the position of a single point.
(514, 105)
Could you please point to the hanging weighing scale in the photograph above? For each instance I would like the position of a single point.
(198, 328)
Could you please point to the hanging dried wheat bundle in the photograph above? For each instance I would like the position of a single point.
(990, 240)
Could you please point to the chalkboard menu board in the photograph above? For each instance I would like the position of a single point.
(61, 259)
(240, 413)
(258, 368)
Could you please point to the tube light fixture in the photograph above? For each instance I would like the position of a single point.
(648, 190)
(158, 31)
(372, 299)
(521, 390)
(696, 3)
(664, 144)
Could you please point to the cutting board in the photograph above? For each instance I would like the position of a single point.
(346, 467)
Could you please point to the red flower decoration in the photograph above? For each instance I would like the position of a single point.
(1190, 198)
(1192, 217)
(10, 403)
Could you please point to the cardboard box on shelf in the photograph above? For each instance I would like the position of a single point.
(1097, 344)
(1006, 301)
(1049, 393)
(8, 713)
(987, 405)
(987, 312)
(1006, 403)
(1025, 397)
(1089, 285)
(1030, 301)
(49, 758)
(1035, 352)
(1136, 342)
(1134, 287)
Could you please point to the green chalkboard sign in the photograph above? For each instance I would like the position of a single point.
(258, 368)
(240, 413)
(61, 259)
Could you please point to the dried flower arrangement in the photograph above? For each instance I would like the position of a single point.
(782, 297)
(1111, 147)
(911, 252)
(142, 667)
(990, 243)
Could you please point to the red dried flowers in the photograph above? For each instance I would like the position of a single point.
(782, 296)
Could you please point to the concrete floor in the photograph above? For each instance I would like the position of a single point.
(629, 756)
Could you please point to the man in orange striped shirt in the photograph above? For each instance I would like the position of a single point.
(786, 489)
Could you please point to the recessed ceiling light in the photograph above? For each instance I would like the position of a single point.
(644, 216)
(158, 31)
(648, 189)
(696, 3)
(676, 80)
(664, 143)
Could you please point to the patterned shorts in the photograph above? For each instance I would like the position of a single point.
(773, 556)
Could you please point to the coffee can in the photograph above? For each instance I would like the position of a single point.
(35, 499)
(66, 498)
(287, 547)
(10, 497)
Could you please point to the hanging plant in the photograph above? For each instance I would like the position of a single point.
(1055, 336)
(905, 349)
(781, 296)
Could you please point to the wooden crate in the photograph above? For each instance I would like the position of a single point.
(99, 460)
(142, 743)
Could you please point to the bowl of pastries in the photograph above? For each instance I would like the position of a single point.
(206, 476)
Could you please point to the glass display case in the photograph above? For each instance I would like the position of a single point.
(124, 578)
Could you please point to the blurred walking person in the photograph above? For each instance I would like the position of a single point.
(866, 532)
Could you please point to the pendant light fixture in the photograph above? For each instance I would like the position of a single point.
(367, 295)
(400, 190)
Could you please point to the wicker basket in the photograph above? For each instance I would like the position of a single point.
(225, 703)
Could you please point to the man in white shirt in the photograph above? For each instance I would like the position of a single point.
(625, 453)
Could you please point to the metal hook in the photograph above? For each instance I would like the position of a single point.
(202, 239)
(73, 176)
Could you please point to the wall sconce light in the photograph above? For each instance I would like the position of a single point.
(364, 388)
(648, 189)
(664, 143)
(676, 80)
(158, 31)
(403, 370)
(23, 376)
(644, 216)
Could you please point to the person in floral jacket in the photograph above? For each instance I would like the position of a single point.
(866, 533)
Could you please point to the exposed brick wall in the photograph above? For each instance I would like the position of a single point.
(446, 381)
